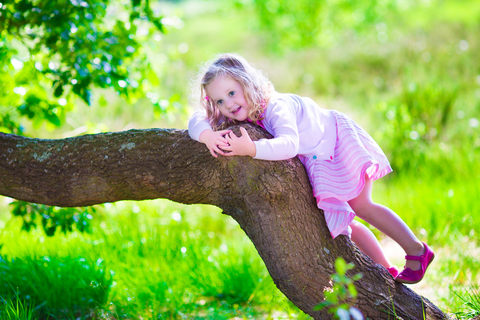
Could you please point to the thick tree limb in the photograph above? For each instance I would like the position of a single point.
(272, 202)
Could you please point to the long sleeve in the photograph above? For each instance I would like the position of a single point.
(281, 122)
(197, 124)
(299, 126)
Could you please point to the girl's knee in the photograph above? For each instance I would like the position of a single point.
(362, 207)
(354, 224)
(356, 227)
(363, 203)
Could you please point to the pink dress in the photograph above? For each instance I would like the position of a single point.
(336, 152)
(342, 179)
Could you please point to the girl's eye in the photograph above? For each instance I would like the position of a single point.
(231, 93)
(219, 102)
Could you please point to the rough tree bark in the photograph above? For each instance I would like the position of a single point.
(272, 202)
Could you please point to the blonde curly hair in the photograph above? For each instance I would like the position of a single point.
(256, 87)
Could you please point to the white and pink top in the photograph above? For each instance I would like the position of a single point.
(298, 124)
(336, 152)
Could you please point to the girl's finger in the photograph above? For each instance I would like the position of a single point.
(226, 148)
(243, 131)
(219, 151)
(223, 141)
(229, 154)
(232, 135)
(224, 132)
(212, 152)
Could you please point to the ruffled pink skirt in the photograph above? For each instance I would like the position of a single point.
(337, 181)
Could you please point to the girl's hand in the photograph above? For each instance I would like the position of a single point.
(240, 146)
(214, 139)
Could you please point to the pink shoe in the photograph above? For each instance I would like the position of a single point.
(413, 276)
(393, 271)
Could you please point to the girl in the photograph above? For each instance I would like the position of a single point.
(341, 159)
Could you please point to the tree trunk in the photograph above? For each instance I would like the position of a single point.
(271, 200)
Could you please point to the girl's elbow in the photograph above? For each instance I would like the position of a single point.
(296, 148)
(191, 124)
(292, 152)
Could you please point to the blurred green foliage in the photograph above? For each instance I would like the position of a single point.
(54, 51)
(151, 260)
(295, 25)
(415, 120)
(342, 296)
(53, 218)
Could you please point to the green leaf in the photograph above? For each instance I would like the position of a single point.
(340, 266)
(358, 276)
(58, 89)
(322, 305)
(352, 290)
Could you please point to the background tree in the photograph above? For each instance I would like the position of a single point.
(53, 52)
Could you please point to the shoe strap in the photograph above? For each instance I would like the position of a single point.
(417, 258)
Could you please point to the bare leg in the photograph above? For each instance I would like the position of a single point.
(368, 243)
(387, 222)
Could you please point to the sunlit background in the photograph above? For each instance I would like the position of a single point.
(407, 71)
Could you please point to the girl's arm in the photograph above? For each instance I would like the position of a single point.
(280, 120)
(197, 124)
(199, 129)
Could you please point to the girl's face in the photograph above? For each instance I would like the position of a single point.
(228, 96)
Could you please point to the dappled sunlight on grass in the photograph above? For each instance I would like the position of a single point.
(161, 259)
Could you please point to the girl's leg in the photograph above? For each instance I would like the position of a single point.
(387, 222)
(368, 243)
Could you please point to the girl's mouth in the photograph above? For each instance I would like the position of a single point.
(236, 110)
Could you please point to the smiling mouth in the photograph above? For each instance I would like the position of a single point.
(236, 110)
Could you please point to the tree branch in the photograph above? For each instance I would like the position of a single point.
(271, 200)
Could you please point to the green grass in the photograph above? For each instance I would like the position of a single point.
(471, 303)
(158, 259)
(418, 94)
(16, 310)
(151, 259)
(439, 211)
(442, 213)
(61, 286)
